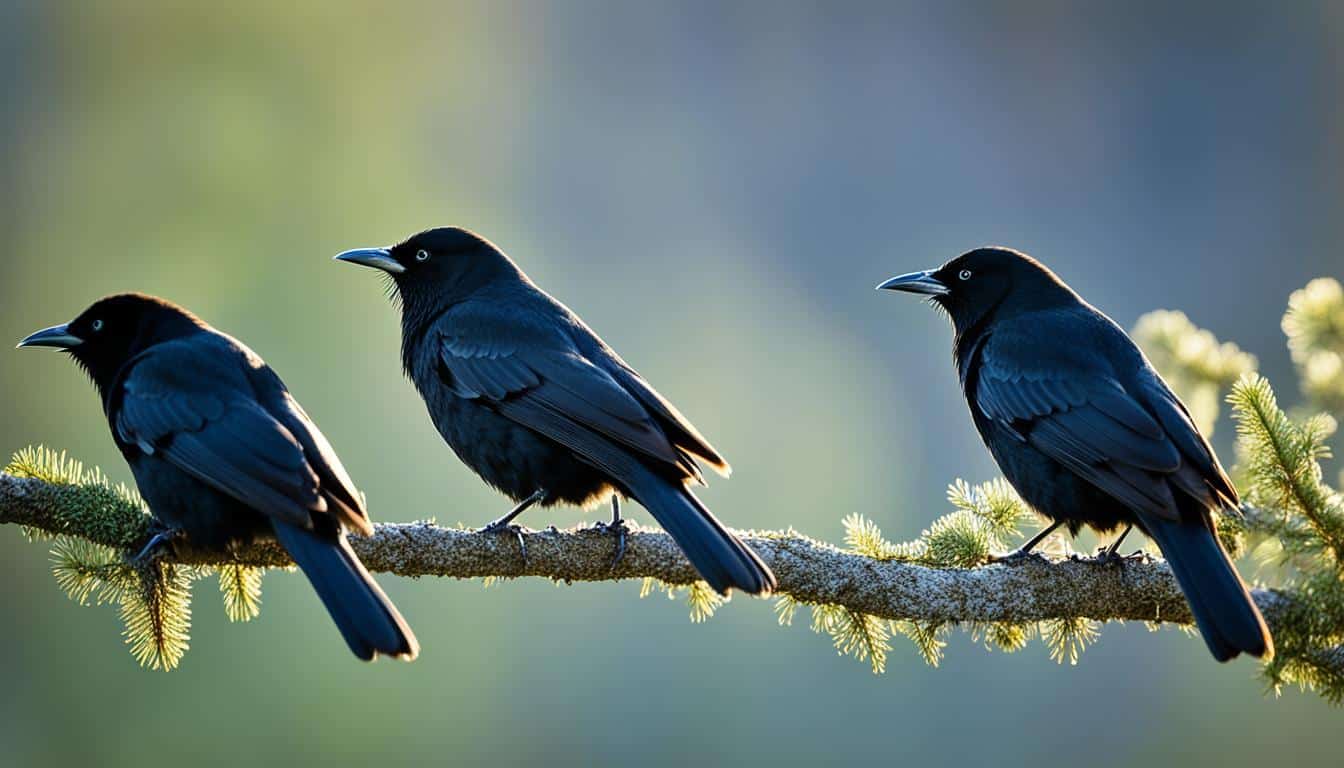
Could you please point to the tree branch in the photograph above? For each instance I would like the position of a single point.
(808, 570)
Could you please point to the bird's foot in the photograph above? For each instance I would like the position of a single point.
(1108, 556)
(1017, 557)
(503, 526)
(160, 544)
(621, 530)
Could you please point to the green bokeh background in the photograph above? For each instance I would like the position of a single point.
(715, 187)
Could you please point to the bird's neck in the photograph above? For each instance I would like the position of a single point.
(964, 347)
(970, 331)
(416, 320)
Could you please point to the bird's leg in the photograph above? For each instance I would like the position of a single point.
(505, 523)
(1109, 554)
(522, 507)
(617, 527)
(1025, 550)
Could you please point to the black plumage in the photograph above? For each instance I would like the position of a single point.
(1087, 431)
(541, 408)
(222, 453)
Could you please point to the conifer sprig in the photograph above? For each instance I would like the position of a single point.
(1314, 325)
(95, 526)
(1198, 366)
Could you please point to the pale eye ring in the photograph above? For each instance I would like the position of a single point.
(964, 274)
(422, 255)
(97, 325)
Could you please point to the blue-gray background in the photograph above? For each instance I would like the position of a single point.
(716, 187)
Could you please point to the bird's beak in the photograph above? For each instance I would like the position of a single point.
(58, 336)
(378, 258)
(916, 282)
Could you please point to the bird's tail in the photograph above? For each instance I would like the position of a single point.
(367, 619)
(720, 557)
(1223, 610)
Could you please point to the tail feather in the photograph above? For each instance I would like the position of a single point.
(719, 556)
(367, 620)
(1223, 609)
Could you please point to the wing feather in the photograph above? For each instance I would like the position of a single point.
(549, 386)
(1090, 424)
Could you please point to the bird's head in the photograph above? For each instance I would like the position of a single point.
(116, 328)
(436, 266)
(979, 282)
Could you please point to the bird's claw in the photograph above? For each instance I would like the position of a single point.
(1109, 557)
(500, 526)
(1017, 557)
(621, 530)
(158, 545)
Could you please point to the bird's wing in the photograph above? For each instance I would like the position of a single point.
(340, 492)
(192, 405)
(678, 428)
(1082, 417)
(535, 375)
(1201, 475)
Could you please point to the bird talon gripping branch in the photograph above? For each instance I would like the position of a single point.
(618, 527)
(1110, 557)
(621, 531)
(159, 545)
(1017, 557)
(500, 526)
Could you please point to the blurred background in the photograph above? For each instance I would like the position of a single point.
(716, 188)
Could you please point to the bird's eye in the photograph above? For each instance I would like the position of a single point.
(422, 255)
(964, 274)
(97, 325)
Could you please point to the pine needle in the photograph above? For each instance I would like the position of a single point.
(157, 616)
(240, 586)
(1068, 638)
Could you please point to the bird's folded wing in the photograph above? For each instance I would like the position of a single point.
(679, 429)
(1090, 424)
(1201, 475)
(541, 381)
(197, 413)
(338, 489)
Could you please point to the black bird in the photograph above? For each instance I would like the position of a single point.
(541, 408)
(1087, 431)
(222, 453)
